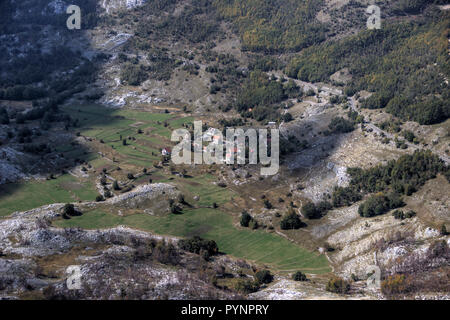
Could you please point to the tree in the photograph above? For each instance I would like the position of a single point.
(310, 211)
(345, 196)
(264, 276)
(245, 218)
(175, 209)
(133, 75)
(4, 117)
(379, 204)
(291, 221)
(69, 210)
(394, 284)
(116, 185)
(444, 230)
(196, 244)
(409, 135)
(299, 276)
(253, 224)
(246, 286)
(287, 117)
(181, 199)
(267, 204)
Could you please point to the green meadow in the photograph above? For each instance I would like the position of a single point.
(109, 125)
(255, 245)
(26, 195)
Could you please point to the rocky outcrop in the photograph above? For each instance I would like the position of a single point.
(114, 263)
(151, 198)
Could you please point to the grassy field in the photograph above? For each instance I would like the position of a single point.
(109, 125)
(259, 246)
(27, 195)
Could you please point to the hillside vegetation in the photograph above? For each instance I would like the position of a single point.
(394, 63)
(275, 25)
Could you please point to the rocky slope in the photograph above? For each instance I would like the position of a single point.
(35, 257)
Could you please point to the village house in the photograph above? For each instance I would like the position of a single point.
(166, 151)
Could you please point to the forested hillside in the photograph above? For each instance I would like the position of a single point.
(275, 25)
(394, 62)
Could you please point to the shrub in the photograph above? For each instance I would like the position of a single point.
(345, 196)
(444, 230)
(398, 214)
(267, 204)
(393, 285)
(299, 276)
(405, 174)
(253, 224)
(245, 219)
(408, 135)
(196, 244)
(130, 176)
(69, 209)
(310, 211)
(116, 185)
(264, 276)
(99, 198)
(175, 209)
(340, 125)
(246, 286)
(410, 214)
(287, 117)
(4, 117)
(166, 253)
(323, 207)
(133, 75)
(181, 199)
(338, 285)
(291, 221)
(222, 184)
(379, 204)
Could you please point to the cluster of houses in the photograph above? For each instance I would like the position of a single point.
(213, 137)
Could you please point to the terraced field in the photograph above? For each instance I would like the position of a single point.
(109, 125)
